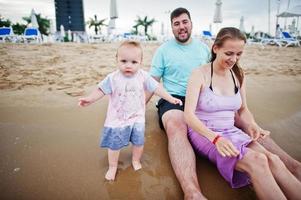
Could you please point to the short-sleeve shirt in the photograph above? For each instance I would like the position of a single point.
(127, 97)
(174, 62)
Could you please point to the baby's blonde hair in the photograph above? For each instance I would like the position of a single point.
(130, 43)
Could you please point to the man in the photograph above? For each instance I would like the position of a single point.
(173, 62)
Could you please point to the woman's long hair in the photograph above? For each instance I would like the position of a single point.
(223, 35)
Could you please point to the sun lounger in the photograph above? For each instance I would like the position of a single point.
(32, 35)
(289, 40)
(7, 34)
(207, 35)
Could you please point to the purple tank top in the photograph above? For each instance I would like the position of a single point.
(218, 109)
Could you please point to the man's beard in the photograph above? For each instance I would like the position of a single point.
(183, 40)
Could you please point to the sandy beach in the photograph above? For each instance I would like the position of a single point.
(49, 146)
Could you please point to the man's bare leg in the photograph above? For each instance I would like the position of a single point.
(293, 165)
(181, 154)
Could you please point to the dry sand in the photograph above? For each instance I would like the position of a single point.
(49, 146)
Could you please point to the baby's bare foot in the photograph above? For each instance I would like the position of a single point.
(136, 165)
(111, 173)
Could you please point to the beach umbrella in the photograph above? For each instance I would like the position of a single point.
(278, 8)
(217, 18)
(162, 28)
(218, 12)
(113, 16)
(75, 38)
(113, 10)
(51, 27)
(33, 18)
(112, 24)
(241, 25)
(69, 35)
(51, 31)
(62, 32)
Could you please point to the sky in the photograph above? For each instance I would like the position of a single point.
(255, 12)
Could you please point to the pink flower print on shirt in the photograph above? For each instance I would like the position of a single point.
(130, 101)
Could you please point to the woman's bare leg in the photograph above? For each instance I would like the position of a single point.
(289, 184)
(257, 166)
(292, 165)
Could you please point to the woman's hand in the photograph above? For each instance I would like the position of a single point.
(226, 148)
(254, 131)
(264, 133)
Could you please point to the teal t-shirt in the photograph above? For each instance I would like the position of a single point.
(174, 62)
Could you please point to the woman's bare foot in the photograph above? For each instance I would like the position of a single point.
(136, 165)
(111, 173)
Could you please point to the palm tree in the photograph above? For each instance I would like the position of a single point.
(135, 31)
(44, 23)
(97, 24)
(145, 23)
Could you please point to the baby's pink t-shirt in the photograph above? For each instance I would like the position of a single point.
(127, 97)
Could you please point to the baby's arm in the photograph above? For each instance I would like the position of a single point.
(104, 88)
(153, 86)
(148, 94)
(161, 92)
(91, 98)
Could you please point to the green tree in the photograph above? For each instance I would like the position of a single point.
(145, 23)
(135, 31)
(96, 23)
(43, 23)
(4, 22)
(18, 28)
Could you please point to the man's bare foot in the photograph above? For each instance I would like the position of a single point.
(136, 165)
(111, 173)
(195, 196)
(193, 193)
(296, 171)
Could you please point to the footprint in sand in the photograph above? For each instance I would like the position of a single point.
(75, 92)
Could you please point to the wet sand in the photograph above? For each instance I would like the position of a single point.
(49, 146)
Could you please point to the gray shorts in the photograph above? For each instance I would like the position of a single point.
(118, 137)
